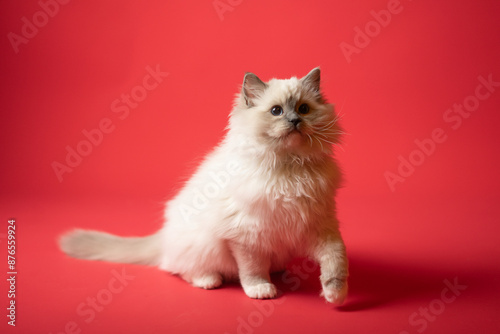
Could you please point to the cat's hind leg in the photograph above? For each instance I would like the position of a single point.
(207, 281)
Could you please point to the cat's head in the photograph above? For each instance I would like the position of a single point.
(286, 116)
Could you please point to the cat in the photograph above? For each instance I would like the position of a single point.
(262, 197)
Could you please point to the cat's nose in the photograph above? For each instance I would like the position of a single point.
(295, 121)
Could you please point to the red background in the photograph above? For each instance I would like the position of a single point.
(440, 224)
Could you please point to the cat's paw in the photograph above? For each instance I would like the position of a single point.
(210, 281)
(335, 290)
(261, 291)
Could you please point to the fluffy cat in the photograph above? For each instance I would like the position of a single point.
(263, 196)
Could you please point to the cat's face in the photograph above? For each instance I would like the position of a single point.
(288, 116)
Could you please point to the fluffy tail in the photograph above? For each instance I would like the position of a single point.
(94, 245)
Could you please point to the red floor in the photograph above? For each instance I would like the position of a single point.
(413, 272)
(143, 89)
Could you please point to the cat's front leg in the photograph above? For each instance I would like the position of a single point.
(330, 253)
(253, 271)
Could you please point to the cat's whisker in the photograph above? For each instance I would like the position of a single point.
(321, 135)
(327, 134)
(334, 133)
(310, 139)
(330, 129)
(325, 126)
(339, 114)
(319, 141)
(328, 141)
(332, 143)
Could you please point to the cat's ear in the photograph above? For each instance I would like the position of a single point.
(312, 80)
(252, 88)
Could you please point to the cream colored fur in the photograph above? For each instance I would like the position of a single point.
(263, 196)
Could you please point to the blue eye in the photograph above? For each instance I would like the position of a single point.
(277, 111)
(303, 109)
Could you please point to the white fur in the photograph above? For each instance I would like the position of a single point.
(263, 196)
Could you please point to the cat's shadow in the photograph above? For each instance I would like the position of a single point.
(374, 282)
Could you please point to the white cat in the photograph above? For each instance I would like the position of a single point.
(263, 196)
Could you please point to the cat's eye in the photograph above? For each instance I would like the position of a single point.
(277, 111)
(303, 109)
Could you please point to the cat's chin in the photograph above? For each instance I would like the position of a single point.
(294, 142)
(294, 139)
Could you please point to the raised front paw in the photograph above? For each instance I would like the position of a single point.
(335, 290)
(261, 291)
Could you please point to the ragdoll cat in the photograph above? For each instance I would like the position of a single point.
(263, 196)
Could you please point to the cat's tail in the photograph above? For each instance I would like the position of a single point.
(94, 245)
